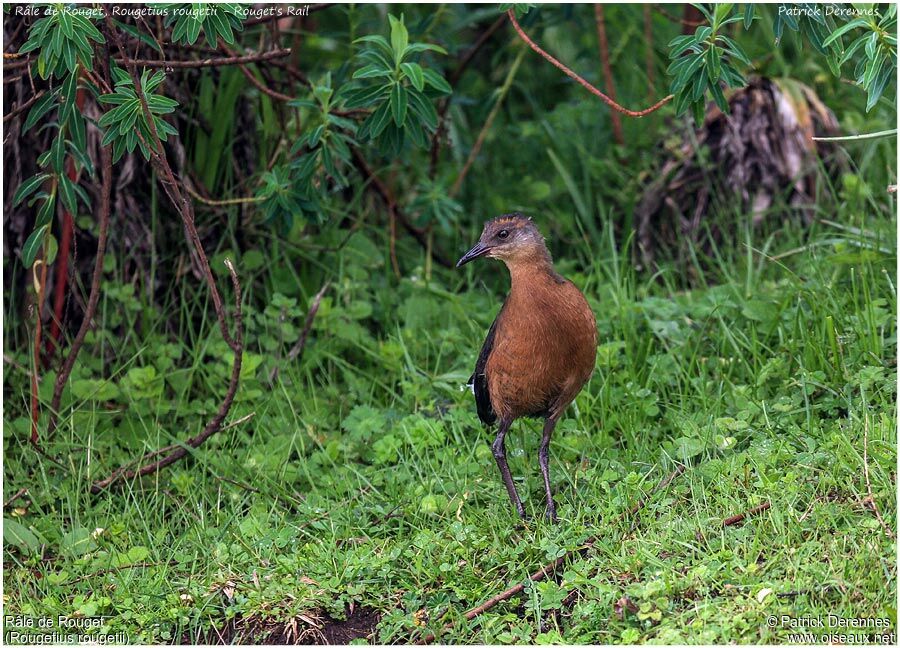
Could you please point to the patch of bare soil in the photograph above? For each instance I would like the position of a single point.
(304, 629)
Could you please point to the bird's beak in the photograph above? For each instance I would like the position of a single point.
(479, 249)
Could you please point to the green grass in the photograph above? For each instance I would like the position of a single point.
(364, 478)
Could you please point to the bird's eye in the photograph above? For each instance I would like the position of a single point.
(502, 234)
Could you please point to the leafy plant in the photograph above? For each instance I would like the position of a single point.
(879, 43)
(284, 194)
(214, 19)
(63, 39)
(402, 92)
(126, 126)
(703, 61)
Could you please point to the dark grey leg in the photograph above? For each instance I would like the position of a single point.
(544, 458)
(499, 449)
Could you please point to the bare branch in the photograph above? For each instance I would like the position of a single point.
(609, 102)
(208, 62)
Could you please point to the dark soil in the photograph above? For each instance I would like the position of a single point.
(359, 624)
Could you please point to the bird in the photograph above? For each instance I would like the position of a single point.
(541, 349)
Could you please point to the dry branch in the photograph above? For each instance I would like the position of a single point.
(609, 102)
(297, 350)
(740, 517)
(208, 62)
(25, 106)
(262, 87)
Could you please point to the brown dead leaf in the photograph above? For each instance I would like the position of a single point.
(623, 604)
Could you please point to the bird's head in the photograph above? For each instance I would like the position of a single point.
(512, 238)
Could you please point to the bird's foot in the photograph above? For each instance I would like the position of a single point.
(551, 514)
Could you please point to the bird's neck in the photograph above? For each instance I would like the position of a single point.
(531, 273)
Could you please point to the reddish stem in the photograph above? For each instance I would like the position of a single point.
(609, 102)
(65, 244)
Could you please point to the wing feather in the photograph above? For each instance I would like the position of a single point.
(478, 380)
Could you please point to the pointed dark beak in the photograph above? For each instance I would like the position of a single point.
(479, 249)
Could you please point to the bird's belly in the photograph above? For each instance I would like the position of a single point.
(528, 381)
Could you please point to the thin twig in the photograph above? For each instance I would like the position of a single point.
(233, 59)
(740, 517)
(297, 350)
(603, 44)
(262, 87)
(223, 203)
(684, 21)
(454, 78)
(214, 425)
(25, 106)
(551, 567)
(871, 497)
(609, 102)
(479, 141)
(15, 496)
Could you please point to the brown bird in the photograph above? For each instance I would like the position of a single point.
(539, 352)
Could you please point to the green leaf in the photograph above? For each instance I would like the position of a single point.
(67, 100)
(58, 153)
(699, 113)
(15, 533)
(398, 104)
(871, 44)
(713, 63)
(719, 97)
(843, 29)
(33, 245)
(52, 249)
(45, 213)
(413, 72)
(422, 106)
(371, 71)
(877, 88)
(425, 47)
(67, 193)
(748, 15)
(399, 38)
(365, 97)
(41, 107)
(380, 119)
(722, 11)
(437, 82)
(377, 40)
(29, 187)
(735, 50)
